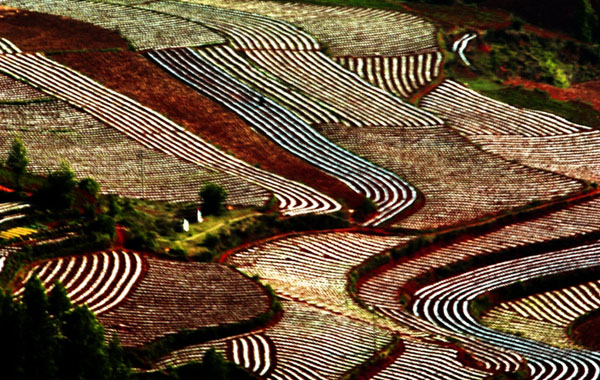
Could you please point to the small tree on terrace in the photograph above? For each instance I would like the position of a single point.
(17, 161)
(213, 199)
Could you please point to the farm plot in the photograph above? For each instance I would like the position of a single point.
(292, 56)
(545, 317)
(145, 30)
(348, 31)
(401, 75)
(421, 361)
(312, 268)
(52, 131)
(211, 294)
(100, 280)
(534, 138)
(155, 131)
(460, 183)
(390, 193)
(134, 76)
(12, 90)
(446, 303)
(381, 290)
(33, 32)
(307, 343)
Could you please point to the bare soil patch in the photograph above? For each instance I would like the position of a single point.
(33, 32)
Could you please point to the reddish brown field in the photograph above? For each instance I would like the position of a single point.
(586, 92)
(32, 31)
(134, 76)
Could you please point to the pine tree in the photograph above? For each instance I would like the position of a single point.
(40, 346)
(84, 354)
(17, 161)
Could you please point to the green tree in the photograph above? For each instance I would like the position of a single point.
(11, 325)
(586, 21)
(17, 161)
(58, 301)
(58, 191)
(84, 353)
(213, 199)
(119, 368)
(215, 366)
(41, 343)
(90, 186)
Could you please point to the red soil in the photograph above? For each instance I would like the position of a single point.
(133, 75)
(32, 31)
(586, 92)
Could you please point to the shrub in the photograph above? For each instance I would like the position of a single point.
(17, 161)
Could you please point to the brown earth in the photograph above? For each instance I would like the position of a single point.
(32, 32)
(587, 333)
(586, 92)
(132, 75)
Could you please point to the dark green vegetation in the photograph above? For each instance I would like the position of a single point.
(213, 367)
(213, 199)
(45, 337)
(17, 161)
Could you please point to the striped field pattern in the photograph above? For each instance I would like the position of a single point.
(100, 280)
(153, 130)
(402, 75)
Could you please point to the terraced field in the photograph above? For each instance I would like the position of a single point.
(138, 297)
(545, 317)
(54, 131)
(533, 138)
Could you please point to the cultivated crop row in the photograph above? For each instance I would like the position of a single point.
(402, 75)
(14, 90)
(475, 114)
(391, 194)
(573, 154)
(447, 303)
(422, 361)
(7, 47)
(534, 138)
(246, 30)
(100, 280)
(381, 290)
(236, 64)
(144, 29)
(574, 220)
(7, 208)
(460, 182)
(307, 343)
(546, 316)
(52, 131)
(308, 70)
(252, 352)
(210, 294)
(348, 31)
(313, 268)
(155, 131)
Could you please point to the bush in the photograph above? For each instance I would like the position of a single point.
(90, 186)
(58, 191)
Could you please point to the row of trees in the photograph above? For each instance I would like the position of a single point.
(46, 337)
